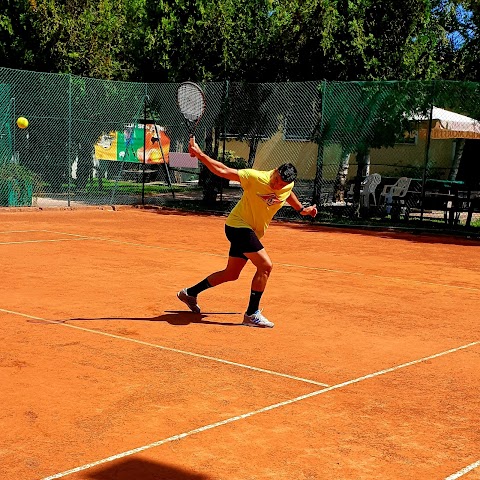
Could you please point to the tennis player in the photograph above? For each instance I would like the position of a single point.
(264, 193)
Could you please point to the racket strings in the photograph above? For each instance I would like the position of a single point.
(190, 102)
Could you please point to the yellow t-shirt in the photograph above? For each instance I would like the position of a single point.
(259, 203)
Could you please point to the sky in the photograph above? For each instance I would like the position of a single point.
(464, 17)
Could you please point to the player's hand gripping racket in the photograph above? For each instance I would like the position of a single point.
(191, 102)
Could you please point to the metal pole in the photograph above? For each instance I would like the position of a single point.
(317, 186)
(69, 155)
(165, 165)
(12, 100)
(227, 86)
(427, 154)
(225, 100)
(144, 146)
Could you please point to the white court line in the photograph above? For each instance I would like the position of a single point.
(136, 244)
(463, 471)
(169, 349)
(5, 232)
(382, 277)
(45, 241)
(288, 265)
(255, 412)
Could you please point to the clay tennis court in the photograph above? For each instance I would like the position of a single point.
(370, 372)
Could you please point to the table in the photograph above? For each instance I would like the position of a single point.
(137, 175)
(444, 195)
(447, 192)
(447, 202)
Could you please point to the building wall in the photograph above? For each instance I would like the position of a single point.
(401, 160)
(275, 151)
(409, 160)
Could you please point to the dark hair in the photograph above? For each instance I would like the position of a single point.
(288, 172)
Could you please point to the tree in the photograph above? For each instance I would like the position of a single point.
(90, 38)
(462, 98)
(364, 115)
(243, 40)
(206, 41)
(250, 118)
(465, 41)
(19, 36)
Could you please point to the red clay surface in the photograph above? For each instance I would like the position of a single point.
(370, 372)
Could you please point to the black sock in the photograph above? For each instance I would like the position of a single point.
(199, 287)
(254, 302)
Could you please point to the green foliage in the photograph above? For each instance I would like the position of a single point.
(98, 39)
(249, 117)
(107, 186)
(14, 171)
(232, 160)
(459, 97)
(250, 40)
(364, 115)
(18, 185)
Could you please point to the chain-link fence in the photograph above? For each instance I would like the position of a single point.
(386, 153)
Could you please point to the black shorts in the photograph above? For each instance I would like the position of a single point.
(242, 240)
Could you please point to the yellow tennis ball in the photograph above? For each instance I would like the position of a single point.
(22, 122)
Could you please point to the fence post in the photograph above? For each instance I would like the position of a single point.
(427, 152)
(317, 185)
(145, 99)
(225, 103)
(69, 148)
(12, 101)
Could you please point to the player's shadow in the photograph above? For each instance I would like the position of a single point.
(141, 469)
(172, 317)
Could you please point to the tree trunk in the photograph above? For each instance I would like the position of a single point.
(363, 169)
(317, 184)
(341, 179)
(253, 143)
(210, 182)
(366, 166)
(84, 168)
(459, 146)
(216, 145)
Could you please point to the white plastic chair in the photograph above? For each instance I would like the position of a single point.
(367, 189)
(369, 186)
(395, 194)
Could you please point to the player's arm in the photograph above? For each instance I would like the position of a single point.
(294, 202)
(216, 167)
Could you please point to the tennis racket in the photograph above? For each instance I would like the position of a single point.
(191, 102)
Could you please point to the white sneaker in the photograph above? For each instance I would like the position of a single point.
(188, 300)
(257, 320)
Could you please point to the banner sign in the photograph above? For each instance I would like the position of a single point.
(127, 146)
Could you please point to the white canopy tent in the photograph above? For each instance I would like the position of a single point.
(449, 125)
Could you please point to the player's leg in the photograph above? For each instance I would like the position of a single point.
(230, 273)
(253, 316)
(235, 264)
